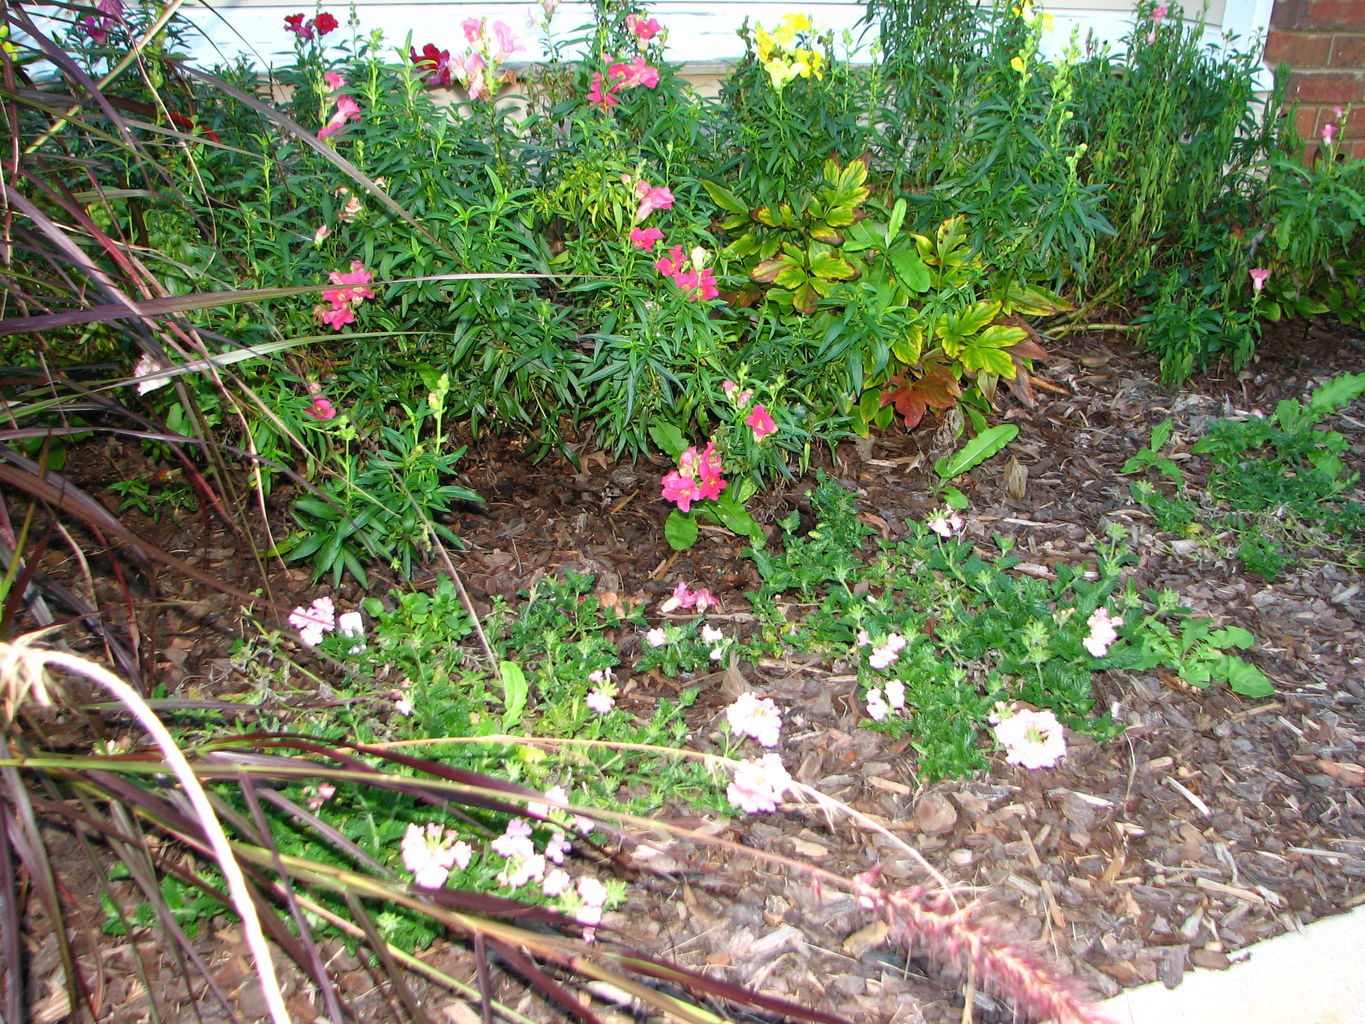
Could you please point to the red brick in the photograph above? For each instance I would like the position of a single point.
(1299, 49)
(1288, 13)
(1358, 151)
(1306, 122)
(1343, 14)
(1348, 50)
(1328, 87)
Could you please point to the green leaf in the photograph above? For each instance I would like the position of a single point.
(723, 197)
(954, 499)
(894, 222)
(1246, 679)
(999, 336)
(989, 360)
(1335, 393)
(515, 690)
(976, 451)
(668, 437)
(1161, 433)
(680, 530)
(1231, 636)
(910, 268)
(830, 266)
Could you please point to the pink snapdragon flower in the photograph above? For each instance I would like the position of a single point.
(98, 28)
(431, 852)
(759, 784)
(473, 29)
(637, 72)
(1259, 276)
(1103, 632)
(651, 199)
(758, 717)
(598, 97)
(685, 598)
(1159, 14)
(645, 238)
(732, 392)
(314, 621)
(1329, 133)
(507, 42)
(1032, 739)
(642, 29)
(762, 423)
(696, 478)
(346, 109)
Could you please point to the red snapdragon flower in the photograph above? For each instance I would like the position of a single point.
(325, 23)
(434, 65)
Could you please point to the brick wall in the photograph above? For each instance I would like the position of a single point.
(1324, 42)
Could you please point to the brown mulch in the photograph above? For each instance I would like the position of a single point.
(1211, 823)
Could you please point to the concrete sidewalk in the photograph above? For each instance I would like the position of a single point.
(1316, 976)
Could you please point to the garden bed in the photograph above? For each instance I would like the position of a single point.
(1209, 823)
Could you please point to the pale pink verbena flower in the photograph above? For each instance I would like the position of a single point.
(887, 653)
(656, 637)
(1032, 739)
(946, 524)
(430, 853)
(555, 883)
(876, 705)
(1103, 632)
(145, 366)
(515, 841)
(321, 795)
(557, 848)
(521, 870)
(600, 702)
(555, 797)
(759, 717)
(711, 635)
(759, 784)
(895, 694)
(315, 620)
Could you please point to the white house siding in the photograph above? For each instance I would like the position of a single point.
(699, 34)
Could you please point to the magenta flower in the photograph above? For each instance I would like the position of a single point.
(761, 422)
(598, 97)
(321, 408)
(337, 317)
(1259, 275)
(759, 784)
(357, 277)
(681, 490)
(642, 29)
(652, 199)
(432, 64)
(295, 23)
(709, 482)
(645, 238)
(758, 717)
(637, 72)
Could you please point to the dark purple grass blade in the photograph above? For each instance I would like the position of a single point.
(547, 986)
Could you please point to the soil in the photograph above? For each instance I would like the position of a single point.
(1211, 823)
